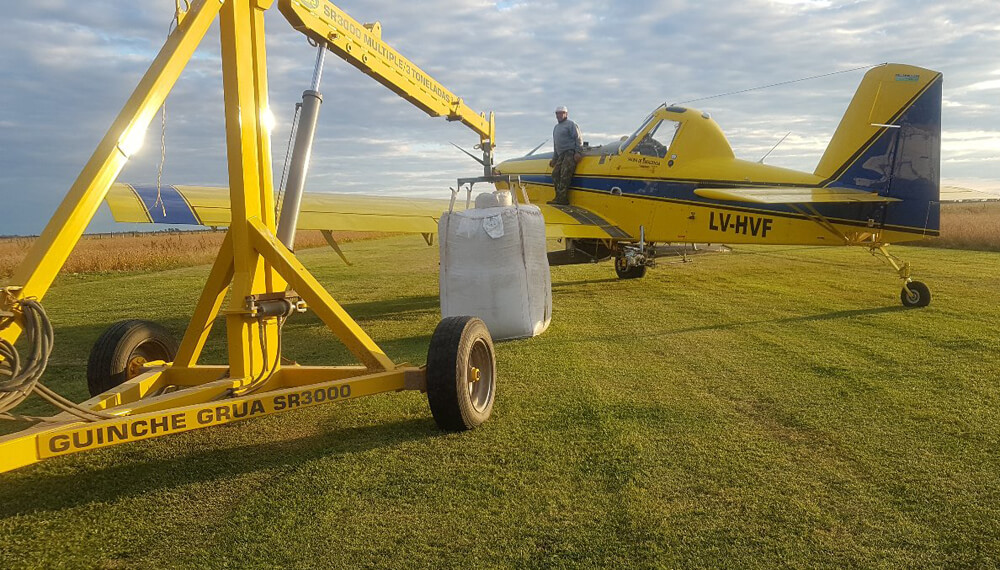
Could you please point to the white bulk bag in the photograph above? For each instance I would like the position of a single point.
(494, 266)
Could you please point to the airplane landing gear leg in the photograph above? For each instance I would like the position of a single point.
(631, 260)
(625, 270)
(914, 293)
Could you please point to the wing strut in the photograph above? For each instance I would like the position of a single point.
(328, 235)
(819, 219)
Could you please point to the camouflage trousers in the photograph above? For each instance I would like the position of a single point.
(562, 175)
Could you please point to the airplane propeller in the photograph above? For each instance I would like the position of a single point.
(537, 147)
(474, 157)
(480, 161)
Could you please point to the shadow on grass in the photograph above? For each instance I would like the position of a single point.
(779, 254)
(75, 342)
(412, 349)
(391, 307)
(107, 484)
(563, 284)
(844, 314)
(386, 308)
(800, 319)
(738, 324)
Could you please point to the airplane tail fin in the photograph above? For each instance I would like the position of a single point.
(889, 141)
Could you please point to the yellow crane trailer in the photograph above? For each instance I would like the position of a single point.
(143, 384)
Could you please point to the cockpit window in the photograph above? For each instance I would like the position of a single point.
(625, 144)
(656, 142)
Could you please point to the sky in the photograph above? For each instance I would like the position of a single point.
(67, 67)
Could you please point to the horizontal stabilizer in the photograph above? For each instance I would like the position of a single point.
(959, 194)
(792, 195)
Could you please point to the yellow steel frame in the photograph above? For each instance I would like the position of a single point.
(184, 395)
(361, 45)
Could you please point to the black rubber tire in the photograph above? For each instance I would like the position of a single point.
(624, 272)
(920, 295)
(122, 344)
(457, 403)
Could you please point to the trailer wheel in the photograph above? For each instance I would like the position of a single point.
(461, 373)
(121, 351)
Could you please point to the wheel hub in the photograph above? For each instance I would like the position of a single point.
(480, 376)
(136, 365)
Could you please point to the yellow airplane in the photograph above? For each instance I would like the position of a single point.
(676, 180)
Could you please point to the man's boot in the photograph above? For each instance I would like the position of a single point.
(561, 198)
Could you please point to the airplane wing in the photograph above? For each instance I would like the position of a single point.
(209, 206)
(792, 195)
(959, 194)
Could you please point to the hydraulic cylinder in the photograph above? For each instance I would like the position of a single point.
(312, 99)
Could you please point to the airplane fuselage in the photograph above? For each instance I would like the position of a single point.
(649, 180)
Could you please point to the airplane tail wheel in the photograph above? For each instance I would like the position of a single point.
(917, 296)
(626, 272)
(120, 353)
(461, 373)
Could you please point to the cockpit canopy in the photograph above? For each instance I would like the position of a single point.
(670, 130)
(667, 133)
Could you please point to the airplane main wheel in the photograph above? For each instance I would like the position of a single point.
(121, 352)
(917, 296)
(626, 272)
(461, 373)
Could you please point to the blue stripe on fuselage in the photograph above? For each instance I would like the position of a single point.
(683, 191)
(174, 208)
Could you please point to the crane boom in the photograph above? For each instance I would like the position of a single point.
(361, 45)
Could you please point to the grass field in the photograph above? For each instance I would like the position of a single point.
(103, 253)
(969, 225)
(768, 407)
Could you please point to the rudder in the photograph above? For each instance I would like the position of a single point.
(889, 142)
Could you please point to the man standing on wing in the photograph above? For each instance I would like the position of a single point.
(568, 143)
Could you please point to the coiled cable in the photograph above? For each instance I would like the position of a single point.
(18, 379)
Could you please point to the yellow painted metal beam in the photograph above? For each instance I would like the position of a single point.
(212, 297)
(319, 300)
(21, 449)
(49, 252)
(42, 442)
(130, 391)
(291, 376)
(361, 45)
(244, 73)
(195, 375)
(194, 395)
(85, 437)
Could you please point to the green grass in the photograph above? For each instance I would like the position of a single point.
(766, 407)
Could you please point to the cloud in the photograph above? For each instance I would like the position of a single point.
(991, 85)
(66, 68)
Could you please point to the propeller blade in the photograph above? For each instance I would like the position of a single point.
(537, 147)
(474, 157)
